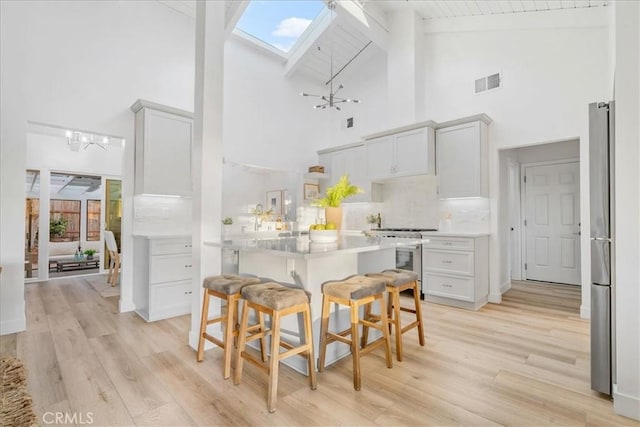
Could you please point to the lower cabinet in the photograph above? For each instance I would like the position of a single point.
(456, 271)
(162, 278)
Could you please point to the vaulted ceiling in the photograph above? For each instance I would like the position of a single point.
(340, 45)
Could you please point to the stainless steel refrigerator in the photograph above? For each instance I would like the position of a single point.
(601, 168)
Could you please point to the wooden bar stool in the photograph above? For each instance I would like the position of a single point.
(397, 281)
(354, 292)
(226, 287)
(277, 301)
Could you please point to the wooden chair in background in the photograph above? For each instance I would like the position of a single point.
(114, 257)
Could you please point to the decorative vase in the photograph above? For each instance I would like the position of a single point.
(334, 215)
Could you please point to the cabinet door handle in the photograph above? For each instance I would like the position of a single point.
(446, 261)
(188, 292)
(187, 265)
(444, 285)
(447, 243)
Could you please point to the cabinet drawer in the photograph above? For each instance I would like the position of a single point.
(169, 268)
(446, 286)
(170, 298)
(170, 246)
(448, 261)
(451, 243)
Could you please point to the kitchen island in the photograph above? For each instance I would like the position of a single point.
(308, 264)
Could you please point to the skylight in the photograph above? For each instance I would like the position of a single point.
(279, 23)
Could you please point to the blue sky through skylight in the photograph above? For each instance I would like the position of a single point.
(279, 22)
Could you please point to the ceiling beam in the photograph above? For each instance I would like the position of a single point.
(69, 179)
(366, 18)
(33, 181)
(307, 41)
(235, 9)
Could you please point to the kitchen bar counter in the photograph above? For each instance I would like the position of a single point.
(307, 265)
(302, 247)
(456, 233)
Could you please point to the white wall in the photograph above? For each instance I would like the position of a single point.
(627, 210)
(266, 121)
(80, 65)
(552, 66)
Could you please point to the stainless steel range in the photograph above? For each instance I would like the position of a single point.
(408, 257)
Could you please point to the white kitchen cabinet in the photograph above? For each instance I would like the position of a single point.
(462, 160)
(406, 153)
(162, 149)
(349, 160)
(163, 277)
(456, 270)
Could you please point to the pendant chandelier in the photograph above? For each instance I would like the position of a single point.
(331, 100)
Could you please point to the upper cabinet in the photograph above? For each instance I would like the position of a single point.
(406, 153)
(349, 160)
(163, 137)
(462, 159)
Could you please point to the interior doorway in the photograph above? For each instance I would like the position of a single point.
(557, 203)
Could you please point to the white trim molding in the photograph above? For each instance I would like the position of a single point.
(505, 287)
(625, 405)
(585, 312)
(13, 326)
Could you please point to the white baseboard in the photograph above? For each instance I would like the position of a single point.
(13, 326)
(194, 338)
(495, 298)
(126, 306)
(505, 286)
(585, 312)
(625, 405)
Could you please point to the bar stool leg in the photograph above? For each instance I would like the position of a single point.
(365, 328)
(355, 345)
(324, 328)
(385, 332)
(203, 325)
(416, 298)
(395, 321)
(274, 362)
(229, 327)
(308, 339)
(242, 342)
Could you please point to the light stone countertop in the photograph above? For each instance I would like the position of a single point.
(162, 235)
(456, 233)
(302, 247)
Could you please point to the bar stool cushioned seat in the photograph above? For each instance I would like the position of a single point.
(275, 300)
(398, 280)
(274, 295)
(226, 287)
(229, 283)
(354, 292)
(354, 287)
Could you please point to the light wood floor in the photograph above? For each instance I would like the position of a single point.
(524, 363)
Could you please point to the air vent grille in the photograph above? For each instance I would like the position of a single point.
(487, 83)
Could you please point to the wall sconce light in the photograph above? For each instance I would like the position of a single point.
(76, 139)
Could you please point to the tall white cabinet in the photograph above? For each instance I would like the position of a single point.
(462, 149)
(162, 149)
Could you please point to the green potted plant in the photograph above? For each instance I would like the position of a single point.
(89, 253)
(57, 227)
(227, 220)
(333, 199)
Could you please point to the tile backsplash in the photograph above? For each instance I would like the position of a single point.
(157, 214)
(413, 202)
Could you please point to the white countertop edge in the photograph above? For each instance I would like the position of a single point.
(456, 233)
(161, 235)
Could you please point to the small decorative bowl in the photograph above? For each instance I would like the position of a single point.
(323, 236)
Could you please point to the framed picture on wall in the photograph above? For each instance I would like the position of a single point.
(311, 191)
(274, 201)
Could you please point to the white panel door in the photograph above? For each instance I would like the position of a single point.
(552, 215)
